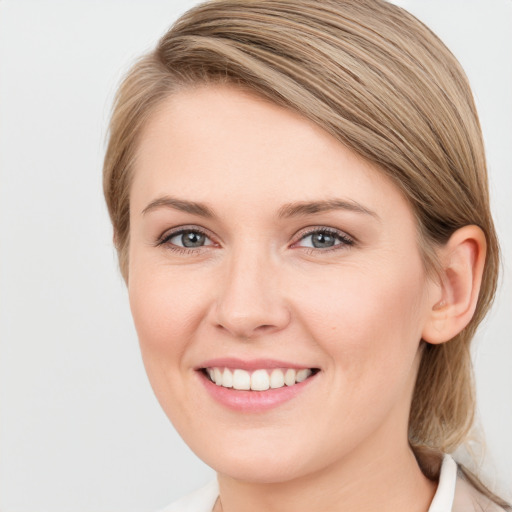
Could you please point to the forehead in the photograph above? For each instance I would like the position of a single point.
(219, 142)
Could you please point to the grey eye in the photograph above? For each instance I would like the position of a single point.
(321, 240)
(190, 239)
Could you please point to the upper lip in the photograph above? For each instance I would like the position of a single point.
(250, 365)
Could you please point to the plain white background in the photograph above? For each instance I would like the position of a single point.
(79, 427)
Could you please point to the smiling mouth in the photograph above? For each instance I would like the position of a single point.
(258, 380)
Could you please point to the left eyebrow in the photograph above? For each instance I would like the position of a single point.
(302, 208)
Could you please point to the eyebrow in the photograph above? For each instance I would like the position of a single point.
(296, 209)
(192, 207)
(303, 208)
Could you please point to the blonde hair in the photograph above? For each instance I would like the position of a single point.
(381, 83)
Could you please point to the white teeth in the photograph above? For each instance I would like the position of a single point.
(227, 379)
(276, 379)
(289, 377)
(260, 380)
(241, 380)
(217, 376)
(302, 375)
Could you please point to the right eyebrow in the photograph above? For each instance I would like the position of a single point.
(192, 207)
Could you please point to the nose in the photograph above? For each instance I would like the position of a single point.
(250, 300)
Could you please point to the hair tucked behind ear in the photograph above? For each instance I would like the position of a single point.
(384, 85)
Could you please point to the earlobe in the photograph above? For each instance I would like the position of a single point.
(462, 261)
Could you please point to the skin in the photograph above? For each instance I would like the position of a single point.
(258, 289)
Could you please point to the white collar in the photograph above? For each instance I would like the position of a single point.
(443, 499)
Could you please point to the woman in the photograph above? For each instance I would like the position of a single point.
(299, 199)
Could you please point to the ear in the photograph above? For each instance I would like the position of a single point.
(453, 304)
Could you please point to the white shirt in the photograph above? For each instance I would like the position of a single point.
(453, 495)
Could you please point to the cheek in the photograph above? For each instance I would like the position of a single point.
(166, 307)
(367, 319)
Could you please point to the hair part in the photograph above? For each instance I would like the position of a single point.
(384, 85)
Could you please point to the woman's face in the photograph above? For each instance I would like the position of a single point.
(261, 248)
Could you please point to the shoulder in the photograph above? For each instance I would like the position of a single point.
(201, 500)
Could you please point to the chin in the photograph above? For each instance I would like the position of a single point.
(259, 469)
(258, 457)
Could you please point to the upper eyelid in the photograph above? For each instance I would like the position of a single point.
(326, 229)
(169, 233)
(315, 229)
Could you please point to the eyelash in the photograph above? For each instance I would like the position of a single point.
(346, 241)
(165, 237)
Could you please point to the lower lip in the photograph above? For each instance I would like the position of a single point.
(253, 401)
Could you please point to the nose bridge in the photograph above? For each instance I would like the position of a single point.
(250, 301)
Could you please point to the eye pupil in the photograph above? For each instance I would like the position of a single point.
(192, 239)
(320, 240)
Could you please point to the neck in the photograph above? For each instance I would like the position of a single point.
(368, 480)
